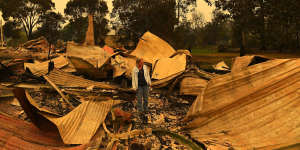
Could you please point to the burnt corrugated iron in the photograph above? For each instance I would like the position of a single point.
(21, 135)
(256, 108)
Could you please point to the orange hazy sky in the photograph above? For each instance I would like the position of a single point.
(201, 7)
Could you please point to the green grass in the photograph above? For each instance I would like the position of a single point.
(205, 50)
(205, 57)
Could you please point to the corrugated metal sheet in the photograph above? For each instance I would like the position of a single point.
(85, 68)
(252, 109)
(40, 69)
(120, 65)
(81, 124)
(64, 79)
(182, 51)
(123, 64)
(192, 86)
(221, 66)
(17, 134)
(167, 67)
(152, 48)
(92, 54)
(77, 127)
(241, 63)
(164, 82)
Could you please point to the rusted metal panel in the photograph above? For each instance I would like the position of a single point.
(123, 64)
(41, 68)
(64, 79)
(94, 55)
(256, 108)
(167, 67)
(241, 63)
(182, 51)
(77, 127)
(85, 68)
(164, 82)
(21, 135)
(152, 48)
(221, 66)
(192, 86)
(81, 124)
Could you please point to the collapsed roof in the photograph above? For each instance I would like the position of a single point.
(251, 109)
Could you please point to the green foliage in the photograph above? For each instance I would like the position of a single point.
(205, 50)
(77, 11)
(218, 31)
(265, 24)
(134, 19)
(165, 18)
(13, 34)
(76, 8)
(18, 40)
(75, 30)
(27, 13)
(11, 30)
(184, 37)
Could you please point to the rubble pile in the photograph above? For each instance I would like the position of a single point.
(82, 99)
(39, 45)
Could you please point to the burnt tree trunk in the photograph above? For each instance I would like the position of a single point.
(298, 44)
(242, 44)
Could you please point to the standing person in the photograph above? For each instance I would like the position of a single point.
(141, 82)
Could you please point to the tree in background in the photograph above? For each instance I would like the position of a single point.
(187, 34)
(75, 30)
(218, 31)
(77, 11)
(11, 30)
(197, 24)
(26, 13)
(264, 24)
(14, 34)
(133, 19)
(197, 21)
(241, 11)
(184, 36)
(186, 6)
(165, 18)
(282, 19)
(51, 24)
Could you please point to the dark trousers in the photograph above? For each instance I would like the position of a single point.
(142, 97)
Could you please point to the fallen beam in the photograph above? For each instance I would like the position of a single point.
(59, 91)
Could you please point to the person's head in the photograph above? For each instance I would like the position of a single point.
(139, 63)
